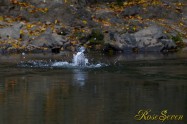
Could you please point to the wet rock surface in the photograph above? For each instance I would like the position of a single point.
(100, 26)
(11, 32)
(149, 39)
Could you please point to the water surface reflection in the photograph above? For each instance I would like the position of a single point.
(109, 95)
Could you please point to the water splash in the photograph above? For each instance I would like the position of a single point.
(56, 64)
(79, 59)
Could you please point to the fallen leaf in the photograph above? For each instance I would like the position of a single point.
(181, 24)
(1, 18)
(84, 21)
(21, 32)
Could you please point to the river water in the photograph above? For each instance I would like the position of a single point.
(31, 93)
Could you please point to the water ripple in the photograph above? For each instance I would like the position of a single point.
(56, 64)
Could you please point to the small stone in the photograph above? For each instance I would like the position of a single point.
(48, 23)
(23, 54)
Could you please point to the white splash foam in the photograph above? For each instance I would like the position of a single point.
(79, 59)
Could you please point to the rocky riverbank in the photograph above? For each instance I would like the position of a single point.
(136, 26)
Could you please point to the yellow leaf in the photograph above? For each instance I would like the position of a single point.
(53, 29)
(14, 1)
(181, 24)
(32, 11)
(74, 42)
(165, 32)
(84, 21)
(45, 48)
(180, 4)
(46, 9)
(134, 28)
(29, 26)
(125, 3)
(1, 18)
(139, 17)
(43, 28)
(56, 21)
(21, 32)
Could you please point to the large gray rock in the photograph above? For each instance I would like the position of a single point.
(120, 42)
(12, 32)
(153, 39)
(149, 39)
(59, 38)
(152, 31)
(149, 44)
(132, 10)
(161, 12)
(152, 12)
(48, 40)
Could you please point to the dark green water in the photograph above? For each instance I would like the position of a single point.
(108, 95)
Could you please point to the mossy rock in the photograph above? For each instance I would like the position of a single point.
(96, 37)
(177, 38)
(97, 34)
(178, 41)
(119, 2)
